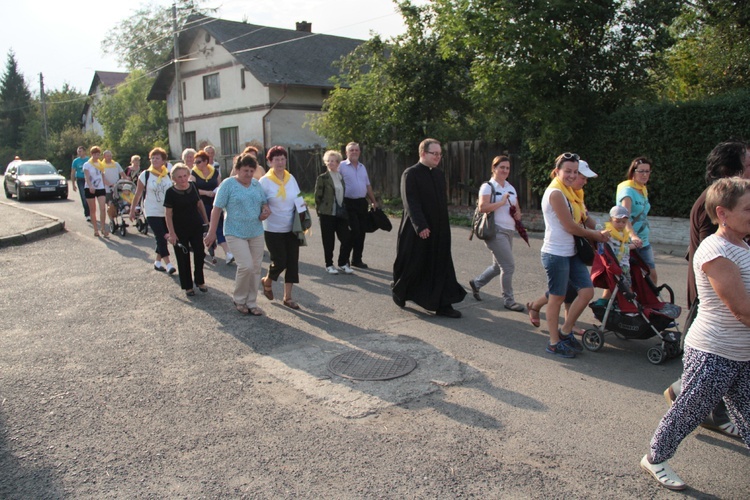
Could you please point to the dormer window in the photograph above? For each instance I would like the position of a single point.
(211, 89)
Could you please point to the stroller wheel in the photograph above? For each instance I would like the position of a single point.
(123, 231)
(593, 340)
(656, 355)
(112, 226)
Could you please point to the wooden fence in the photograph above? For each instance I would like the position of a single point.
(466, 165)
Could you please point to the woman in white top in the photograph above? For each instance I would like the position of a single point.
(153, 184)
(564, 212)
(283, 244)
(717, 346)
(501, 246)
(95, 190)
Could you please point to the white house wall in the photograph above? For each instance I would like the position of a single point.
(237, 107)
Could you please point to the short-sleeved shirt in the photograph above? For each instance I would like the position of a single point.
(355, 178)
(95, 176)
(715, 329)
(207, 185)
(639, 208)
(154, 191)
(242, 206)
(282, 210)
(184, 204)
(503, 218)
(77, 167)
(112, 174)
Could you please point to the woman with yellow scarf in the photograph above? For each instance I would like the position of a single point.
(283, 244)
(207, 179)
(564, 212)
(633, 195)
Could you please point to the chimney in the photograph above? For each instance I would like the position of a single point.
(304, 26)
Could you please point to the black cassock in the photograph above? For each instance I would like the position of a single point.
(423, 271)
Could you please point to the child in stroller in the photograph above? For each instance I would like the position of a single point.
(633, 311)
(123, 193)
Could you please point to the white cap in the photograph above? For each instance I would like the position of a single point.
(583, 167)
(619, 212)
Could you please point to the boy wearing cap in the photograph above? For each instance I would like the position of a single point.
(619, 239)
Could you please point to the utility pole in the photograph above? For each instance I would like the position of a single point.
(44, 106)
(178, 79)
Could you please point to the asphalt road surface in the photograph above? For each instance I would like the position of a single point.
(114, 384)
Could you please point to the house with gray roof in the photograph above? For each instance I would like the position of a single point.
(103, 81)
(244, 84)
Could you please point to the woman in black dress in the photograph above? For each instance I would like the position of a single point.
(186, 218)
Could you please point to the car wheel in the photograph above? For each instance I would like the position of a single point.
(64, 196)
(8, 194)
(20, 194)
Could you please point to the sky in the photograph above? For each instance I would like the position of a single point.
(62, 40)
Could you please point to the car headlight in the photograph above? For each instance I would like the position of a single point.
(27, 183)
(63, 182)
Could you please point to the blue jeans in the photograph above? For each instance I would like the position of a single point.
(81, 184)
(565, 271)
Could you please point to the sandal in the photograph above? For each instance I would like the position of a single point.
(515, 306)
(190, 293)
(256, 311)
(728, 429)
(291, 304)
(242, 308)
(96, 234)
(203, 288)
(663, 473)
(267, 290)
(533, 315)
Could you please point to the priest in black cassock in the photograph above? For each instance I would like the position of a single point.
(423, 271)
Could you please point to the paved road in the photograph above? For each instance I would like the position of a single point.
(114, 384)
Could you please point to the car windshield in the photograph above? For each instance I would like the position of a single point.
(36, 169)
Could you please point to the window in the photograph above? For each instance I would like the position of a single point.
(229, 141)
(242, 78)
(184, 92)
(189, 140)
(211, 86)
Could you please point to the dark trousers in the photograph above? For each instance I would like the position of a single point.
(81, 184)
(159, 226)
(190, 241)
(284, 251)
(357, 209)
(331, 227)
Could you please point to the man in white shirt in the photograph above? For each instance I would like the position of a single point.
(357, 191)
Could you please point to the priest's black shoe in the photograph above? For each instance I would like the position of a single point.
(449, 312)
(360, 265)
(398, 301)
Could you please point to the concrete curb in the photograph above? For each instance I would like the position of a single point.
(55, 226)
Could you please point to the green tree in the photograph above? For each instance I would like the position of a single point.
(15, 106)
(144, 40)
(393, 94)
(61, 147)
(545, 71)
(132, 125)
(712, 55)
(64, 108)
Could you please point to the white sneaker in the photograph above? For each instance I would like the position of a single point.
(331, 270)
(230, 258)
(663, 473)
(346, 269)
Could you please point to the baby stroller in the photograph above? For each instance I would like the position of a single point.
(633, 312)
(123, 193)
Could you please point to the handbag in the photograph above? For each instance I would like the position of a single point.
(377, 219)
(584, 250)
(483, 224)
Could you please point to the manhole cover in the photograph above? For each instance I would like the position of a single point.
(371, 365)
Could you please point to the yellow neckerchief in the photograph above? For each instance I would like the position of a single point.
(574, 197)
(160, 174)
(623, 237)
(99, 165)
(198, 172)
(641, 188)
(104, 164)
(272, 177)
